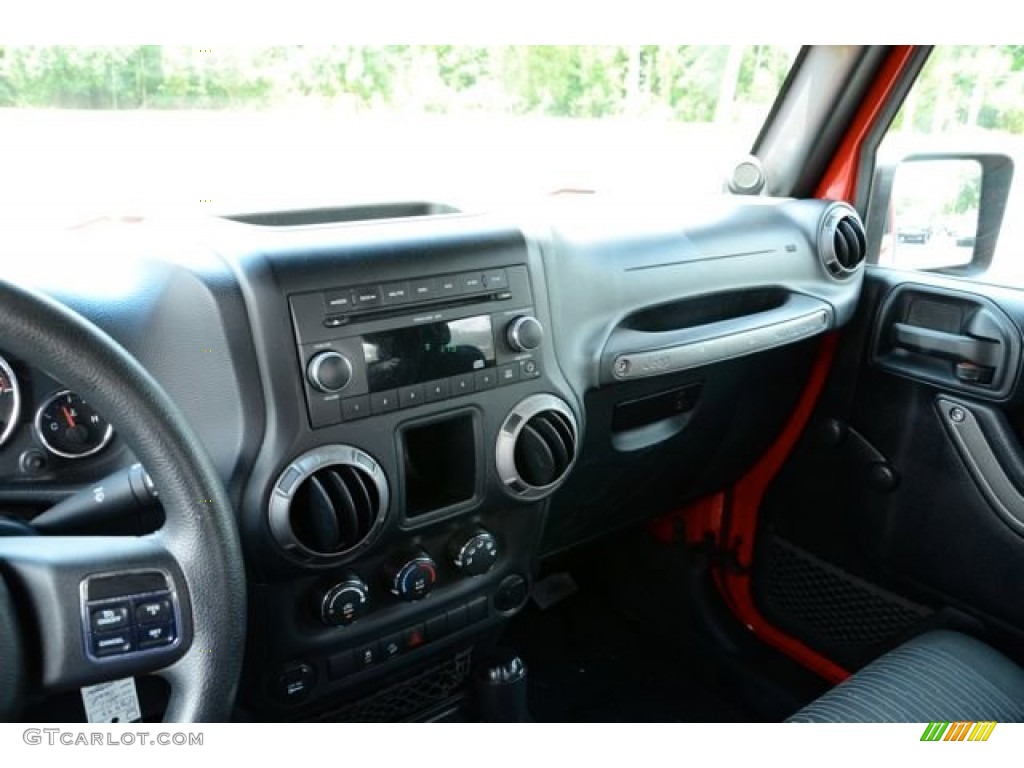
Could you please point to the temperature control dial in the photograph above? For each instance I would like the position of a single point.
(329, 371)
(343, 603)
(475, 552)
(412, 575)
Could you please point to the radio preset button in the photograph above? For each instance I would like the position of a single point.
(472, 282)
(410, 396)
(462, 385)
(486, 379)
(395, 293)
(353, 408)
(438, 390)
(324, 410)
(367, 296)
(449, 286)
(339, 300)
(508, 374)
(495, 279)
(384, 402)
(421, 290)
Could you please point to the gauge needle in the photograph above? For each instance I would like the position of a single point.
(68, 416)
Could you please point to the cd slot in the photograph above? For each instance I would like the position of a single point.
(341, 320)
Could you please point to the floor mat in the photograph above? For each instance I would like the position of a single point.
(589, 662)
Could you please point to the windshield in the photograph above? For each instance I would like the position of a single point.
(114, 133)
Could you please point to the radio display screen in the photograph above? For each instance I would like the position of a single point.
(427, 352)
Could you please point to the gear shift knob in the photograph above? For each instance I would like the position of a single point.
(500, 686)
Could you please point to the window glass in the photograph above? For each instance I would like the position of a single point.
(95, 133)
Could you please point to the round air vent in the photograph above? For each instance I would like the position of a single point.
(537, 446)
(328, 503)
(842, 242)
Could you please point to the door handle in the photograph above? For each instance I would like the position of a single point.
(987, 353)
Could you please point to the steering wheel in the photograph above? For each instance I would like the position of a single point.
(53, 590)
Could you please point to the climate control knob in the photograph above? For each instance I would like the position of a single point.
(412, 575)
(524, 333)
(475, 552)
(329, 371)
(344, 602)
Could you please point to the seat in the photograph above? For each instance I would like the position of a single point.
(938, 676)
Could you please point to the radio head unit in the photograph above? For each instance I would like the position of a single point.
(373, 348)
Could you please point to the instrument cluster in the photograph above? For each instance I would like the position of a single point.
(61, 421)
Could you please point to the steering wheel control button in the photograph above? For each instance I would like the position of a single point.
(128, 613)
(112, 643)
(155, 635)
(109, 618)
(153, 611)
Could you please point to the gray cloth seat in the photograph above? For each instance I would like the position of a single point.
(938, 676)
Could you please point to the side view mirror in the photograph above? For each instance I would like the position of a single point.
(939, 211)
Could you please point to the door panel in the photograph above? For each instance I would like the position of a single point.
(902, 507)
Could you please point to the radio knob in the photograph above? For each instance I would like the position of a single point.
(329, 371)
(344, 602)
(524, 333)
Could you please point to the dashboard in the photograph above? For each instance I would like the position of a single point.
(411, 413)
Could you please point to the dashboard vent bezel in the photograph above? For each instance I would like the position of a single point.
(533, 407)
(842, 241)
(291, 485)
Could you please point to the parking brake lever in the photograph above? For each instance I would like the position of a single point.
(112, 498)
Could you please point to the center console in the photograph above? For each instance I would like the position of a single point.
(418, 422)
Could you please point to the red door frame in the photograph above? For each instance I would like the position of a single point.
(706, 517)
